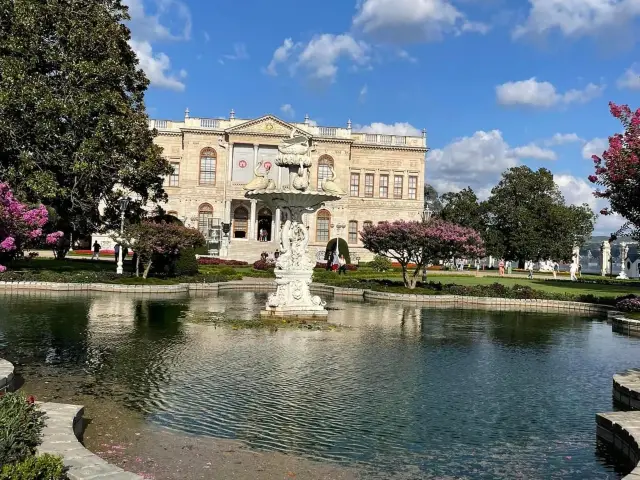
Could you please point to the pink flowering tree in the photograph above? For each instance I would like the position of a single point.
(416, 244)
(617, 170)
(20, 226)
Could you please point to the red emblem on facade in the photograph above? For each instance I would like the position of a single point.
(242, 164)
(267, 165)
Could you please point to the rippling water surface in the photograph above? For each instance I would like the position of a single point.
(403, 390)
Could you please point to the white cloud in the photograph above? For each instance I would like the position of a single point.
(288, 110)
(578, 191)
(157, 66)
(532, 93)
(577, 18)
(239, 52)
(399, 128)
(281, 55)
(476, 161)
(630, 78)
(533, 151)
(404, 55)
(321, 55)
(563, 138)
(595, 146)
(147, 28)
(412, 20)
(363, 93)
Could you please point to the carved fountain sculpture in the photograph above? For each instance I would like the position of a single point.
(294, 267)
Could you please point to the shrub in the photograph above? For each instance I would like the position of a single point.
(221, 261)
(21, 424)
(42, 467)
(628, 304)
(202, 250)
(380, 263)
(263, 265)
(227, 271)
(186, 263)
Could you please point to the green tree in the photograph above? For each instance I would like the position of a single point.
(432, 199)
(528, 214)
(73, 125)
(463, 208)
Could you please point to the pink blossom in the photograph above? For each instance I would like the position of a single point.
(3, 269)
(8, 244)
(593, 178)
(53, 237)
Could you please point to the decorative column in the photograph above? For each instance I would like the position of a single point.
(227, 211)
(229, 161)
(276, 230)
(255, 155)
(252, 220)
(624, 253)
(605, 256)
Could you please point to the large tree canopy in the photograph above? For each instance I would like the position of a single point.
(529, 214)
(617, 171)
(72, 119)
(432, 200)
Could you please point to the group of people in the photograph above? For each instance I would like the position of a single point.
(575, 270)
(116, 250)
(337, 263)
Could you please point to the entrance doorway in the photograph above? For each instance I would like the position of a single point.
(240, 222)
(265, 219)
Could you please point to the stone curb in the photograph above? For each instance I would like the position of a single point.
(621, 431)
(64, 424)
(6, 375)
(267, 285)
(621, 324)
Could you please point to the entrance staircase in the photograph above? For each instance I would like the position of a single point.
(249, 250)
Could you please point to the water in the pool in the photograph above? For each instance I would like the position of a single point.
(448, 393)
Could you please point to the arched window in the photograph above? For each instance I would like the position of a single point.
(208, 166)
(353, 231)
(325, 164)
(205, 212)
(323, 223)
(367, 223)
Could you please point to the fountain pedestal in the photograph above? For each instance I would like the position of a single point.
(294, 267)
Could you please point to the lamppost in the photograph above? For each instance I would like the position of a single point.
(124, 203)
(426, 216)
(612, 239)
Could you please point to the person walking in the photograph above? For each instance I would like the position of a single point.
(530, 276)
(342, 265)
(579, 271)
(556, 269)
(501, 267)
(509, 268)
(334, 261)
(96, 251)
(116, 250)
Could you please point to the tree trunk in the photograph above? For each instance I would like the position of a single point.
(146, 270)
(409, 280)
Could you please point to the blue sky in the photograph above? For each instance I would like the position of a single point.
(495, 83)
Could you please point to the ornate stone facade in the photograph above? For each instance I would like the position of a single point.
(382, 175)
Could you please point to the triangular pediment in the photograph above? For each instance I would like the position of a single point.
(269, 125)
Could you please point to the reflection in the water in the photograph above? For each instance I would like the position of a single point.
(458, 393)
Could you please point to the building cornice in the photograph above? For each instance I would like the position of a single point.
(332, 139)
(169, 133)
(202, 131)
(379, 146)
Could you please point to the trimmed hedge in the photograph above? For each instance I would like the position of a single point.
(42, 467)
(186, 263)
(21, 425)
(221, 261)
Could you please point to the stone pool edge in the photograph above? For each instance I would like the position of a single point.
(6, 375)
(64, 427)
(267, 284)
(621, 430)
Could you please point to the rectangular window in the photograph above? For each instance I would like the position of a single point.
(174, 177)
(368, 185)
(207, 171)
(355, 185)
(413, 188)
(397, 186)
(353, 231)
(322, 229)
(384, 186)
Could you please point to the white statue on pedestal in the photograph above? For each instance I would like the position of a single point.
(624, 254)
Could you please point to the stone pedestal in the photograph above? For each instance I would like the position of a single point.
(293, 298)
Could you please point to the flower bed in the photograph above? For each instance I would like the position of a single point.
(21, 425)
(221, 261)
(323, 266)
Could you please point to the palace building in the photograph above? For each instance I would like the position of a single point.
(213, 158)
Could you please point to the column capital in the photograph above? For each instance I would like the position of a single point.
(255, 146)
